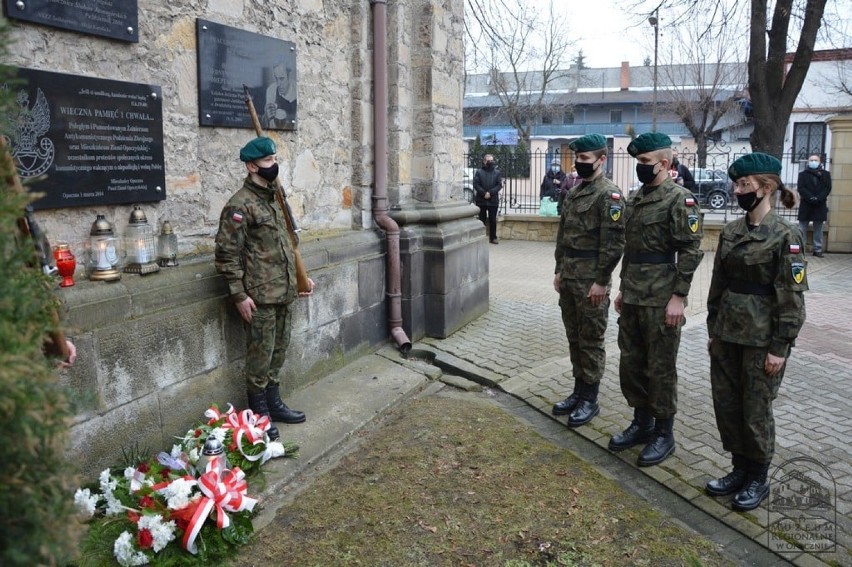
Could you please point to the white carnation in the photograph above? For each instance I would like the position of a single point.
(178, 493)
(162, 532)
(86, 502)
(219, 434)
(125, 553)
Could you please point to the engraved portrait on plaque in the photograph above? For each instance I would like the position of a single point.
(229, 58)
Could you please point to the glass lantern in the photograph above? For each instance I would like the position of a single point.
(103, 261)
(167, 246)
(139, 245)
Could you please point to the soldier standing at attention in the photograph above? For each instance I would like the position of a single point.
(662, 251)
(254, 254)
(755, 309)
(588, 247)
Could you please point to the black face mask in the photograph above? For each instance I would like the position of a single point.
(749, 201)
(268, 173)
(489, 165)
(585, 170)
(645, 172)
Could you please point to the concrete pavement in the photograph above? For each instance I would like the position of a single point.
(519, 346)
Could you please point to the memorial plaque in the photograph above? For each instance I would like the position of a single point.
(86, 141)
(229, 58)
(116, 19)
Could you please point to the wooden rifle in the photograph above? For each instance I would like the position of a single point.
(302, 282)
(29, 229)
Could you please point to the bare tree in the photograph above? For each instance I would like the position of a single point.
(773, 84)
(708, 83)
(522, 52)
(773, 91)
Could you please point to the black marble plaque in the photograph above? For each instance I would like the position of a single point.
(117, 19)
(229, 58)
(87, 141)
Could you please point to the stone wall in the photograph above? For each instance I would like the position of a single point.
(155, 349)
(840, 200)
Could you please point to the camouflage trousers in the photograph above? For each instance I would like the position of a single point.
(585, 326)
(267, 342)
(648, 366)
(742, 399)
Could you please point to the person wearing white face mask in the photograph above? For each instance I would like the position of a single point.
(814, 185)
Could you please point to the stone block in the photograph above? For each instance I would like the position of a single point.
(183, 404)
(371, 282)
(143, 355)
(96, 444)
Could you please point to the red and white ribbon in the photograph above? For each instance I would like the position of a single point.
(246, 424)
(223, 492)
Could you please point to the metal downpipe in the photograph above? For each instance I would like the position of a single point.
(380, 168)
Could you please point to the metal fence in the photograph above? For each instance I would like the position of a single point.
(524, 171)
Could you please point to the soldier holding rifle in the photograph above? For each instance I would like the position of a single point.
(256, 256)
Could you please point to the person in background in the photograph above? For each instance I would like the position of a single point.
(588, 247)
(487, 184)
(254, 255)
(755, 309)
(553, 182)
(814, 186)
(661, 253)
(682, 174)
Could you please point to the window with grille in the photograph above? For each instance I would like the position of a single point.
(808, 139)
(615, 117)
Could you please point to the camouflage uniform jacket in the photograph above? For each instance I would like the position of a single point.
(664, 221)
(769, 259)
(253, 249)
(592, 220)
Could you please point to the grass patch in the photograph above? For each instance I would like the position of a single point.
(459, 482)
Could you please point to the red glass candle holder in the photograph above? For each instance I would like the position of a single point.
(65, 263)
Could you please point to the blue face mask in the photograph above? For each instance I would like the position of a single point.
(813, 164)
(555, 169)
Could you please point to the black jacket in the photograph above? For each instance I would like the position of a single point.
(487, 181)
(551, 189)
(814, 185)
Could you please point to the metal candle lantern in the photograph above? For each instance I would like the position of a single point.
(212, 452)
(103, 248)
(167, 246)
(139, 244)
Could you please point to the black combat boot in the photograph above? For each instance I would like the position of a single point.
(731, 482)
(638, 432)
(257, 404)
(588, 406)
(567, 405)
(661, 445)
(278, 410)
(755, 489)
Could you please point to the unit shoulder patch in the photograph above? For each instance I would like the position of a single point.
(692, 222)
(798, 271)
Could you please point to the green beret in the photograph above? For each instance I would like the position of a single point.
(257, 148)
(648, 142)
(588, 143)
(753, 164)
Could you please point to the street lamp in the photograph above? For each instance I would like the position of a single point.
(655, 23)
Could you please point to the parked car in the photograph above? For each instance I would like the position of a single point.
(712, 188)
